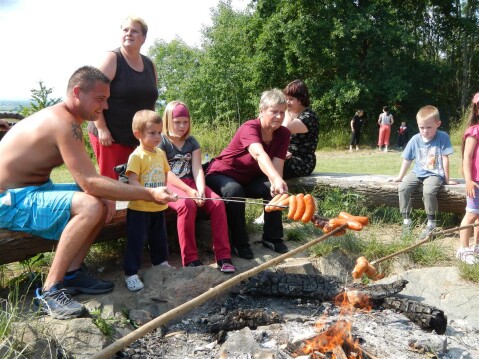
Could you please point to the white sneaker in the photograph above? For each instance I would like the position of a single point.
(466, 255)
(475, 248)
(165, 264)
(260, 219)
(134, 283)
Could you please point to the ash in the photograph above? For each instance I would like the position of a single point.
(381, 333)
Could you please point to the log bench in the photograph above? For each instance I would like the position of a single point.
(17, 246)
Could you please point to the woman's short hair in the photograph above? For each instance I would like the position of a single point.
(168, 119)
(138, 20)
(271, 98)
(144, 117)
(298, 90)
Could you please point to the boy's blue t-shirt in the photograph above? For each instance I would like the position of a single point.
(428, 155)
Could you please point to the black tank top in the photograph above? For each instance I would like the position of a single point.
(130, 91)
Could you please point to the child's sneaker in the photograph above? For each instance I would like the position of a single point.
(426, 232)
(226, 266)
(475, 248)
(57, 303)
(134, 283)
(165, 264)
(466, 255)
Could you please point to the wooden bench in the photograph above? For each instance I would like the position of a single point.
(17, 246)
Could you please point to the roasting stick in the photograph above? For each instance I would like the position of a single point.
(123, 342)
(429, 237)
(232, 199)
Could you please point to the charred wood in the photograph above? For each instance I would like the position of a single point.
(323, 288)
(429, 318)
(241, 318)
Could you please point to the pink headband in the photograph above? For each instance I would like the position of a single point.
(475, 99)
(180, 110)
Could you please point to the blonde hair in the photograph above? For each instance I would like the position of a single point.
(168, 119)
(144, 117)
(138, 20)
(428, 112)
(271, 98)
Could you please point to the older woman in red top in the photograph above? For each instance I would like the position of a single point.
(251, 166)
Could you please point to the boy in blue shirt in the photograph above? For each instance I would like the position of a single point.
(430, 150)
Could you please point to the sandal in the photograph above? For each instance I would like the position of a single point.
(226, 266)
(134, 283)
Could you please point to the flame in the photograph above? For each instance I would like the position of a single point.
(339, 334)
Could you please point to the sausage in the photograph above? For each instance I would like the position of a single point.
(270, 206)
(363, 220)
(355, 226)
(309, 210)
(361, 267)
(300, 207)
(371, 271)
(292, 206)
(337, 222)
(282, 201)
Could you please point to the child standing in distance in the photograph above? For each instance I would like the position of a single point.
(385, 121)
(402, 135)
(356, 124)
(188, 180)
(430, 150)
(145, 221)
(470, 167)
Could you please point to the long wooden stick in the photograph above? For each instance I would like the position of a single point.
(121, 343)
(428, 238)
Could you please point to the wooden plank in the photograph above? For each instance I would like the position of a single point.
(378, 191)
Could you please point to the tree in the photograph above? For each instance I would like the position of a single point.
(39, 100)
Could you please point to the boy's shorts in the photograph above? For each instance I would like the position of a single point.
(39, 210)
(472, 204)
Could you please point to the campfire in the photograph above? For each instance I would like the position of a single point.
(336, 341)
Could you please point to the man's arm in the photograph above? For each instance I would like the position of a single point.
(69, 139)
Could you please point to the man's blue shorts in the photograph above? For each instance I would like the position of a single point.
(40, 210)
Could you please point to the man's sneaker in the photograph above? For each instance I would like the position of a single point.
(195, 263)
(277, 246)
(134, 283)
(57, 303)
(426, 232)
(466, 255)
(226, 265)
(84, 282)
(243, 251)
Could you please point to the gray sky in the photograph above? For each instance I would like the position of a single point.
(46, 40)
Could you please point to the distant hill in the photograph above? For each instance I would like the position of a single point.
(12, 105)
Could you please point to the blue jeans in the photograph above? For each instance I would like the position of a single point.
(259, 187)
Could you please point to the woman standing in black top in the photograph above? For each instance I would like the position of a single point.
(133, 87)
(356, 124)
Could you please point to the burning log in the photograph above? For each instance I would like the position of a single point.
(329, 288)
(240, 318)
(429, 318)
(324, 288)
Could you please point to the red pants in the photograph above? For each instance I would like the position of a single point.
(108, 157)
(384, 134)
(186, 210)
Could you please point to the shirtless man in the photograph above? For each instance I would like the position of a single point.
(74, 214)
